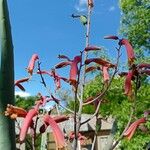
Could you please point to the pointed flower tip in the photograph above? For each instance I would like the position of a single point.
(112, 37)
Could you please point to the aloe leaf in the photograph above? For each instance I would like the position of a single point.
(7, 126)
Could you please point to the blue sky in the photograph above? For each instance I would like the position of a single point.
(46, 28)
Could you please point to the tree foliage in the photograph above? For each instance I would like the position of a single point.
(25, 102)
(135, 23)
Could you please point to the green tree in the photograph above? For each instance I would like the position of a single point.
(135, 23)
(25, 102)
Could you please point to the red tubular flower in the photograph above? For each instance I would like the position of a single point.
(44, 72)
(63, 57)
(105, 74)
(100, 62)
(147, 72)
(27, 123)
(61, 118)
(80, 137)
(13, 112)
(144, 65)
(90, 3)
(62, 64)
(31, 65)
(57, 119)
(42, 101)
(128, 84)
(57, 133)
(74, 69)
(17, 83)
(131, 130)
(92, 48)
(89, 69)
(22, 80)
(57, 79)
(20, 87)
(112, 37)
(129, 49)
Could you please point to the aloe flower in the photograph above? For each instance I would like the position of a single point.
(57, 79)
(129, 49)
(147, 72)
(90, 3)
(57, 133)
(13, 112)
(128, 83)
(17, 83)
(31, 65)
(81, 138)
(73, 70)
(91, 68)
(131, 130)
(28, 121)
(62, 64)
(64, 57)
(44, 72)
(92, 48)
(112, 37)
(144, 65)
(100, 62)
(57, 119)
(105, 74)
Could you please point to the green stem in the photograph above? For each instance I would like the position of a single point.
(7, 126)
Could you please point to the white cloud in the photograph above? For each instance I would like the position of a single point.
(82, 2)
(22, 94)
(81, 6)
(112, 8)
